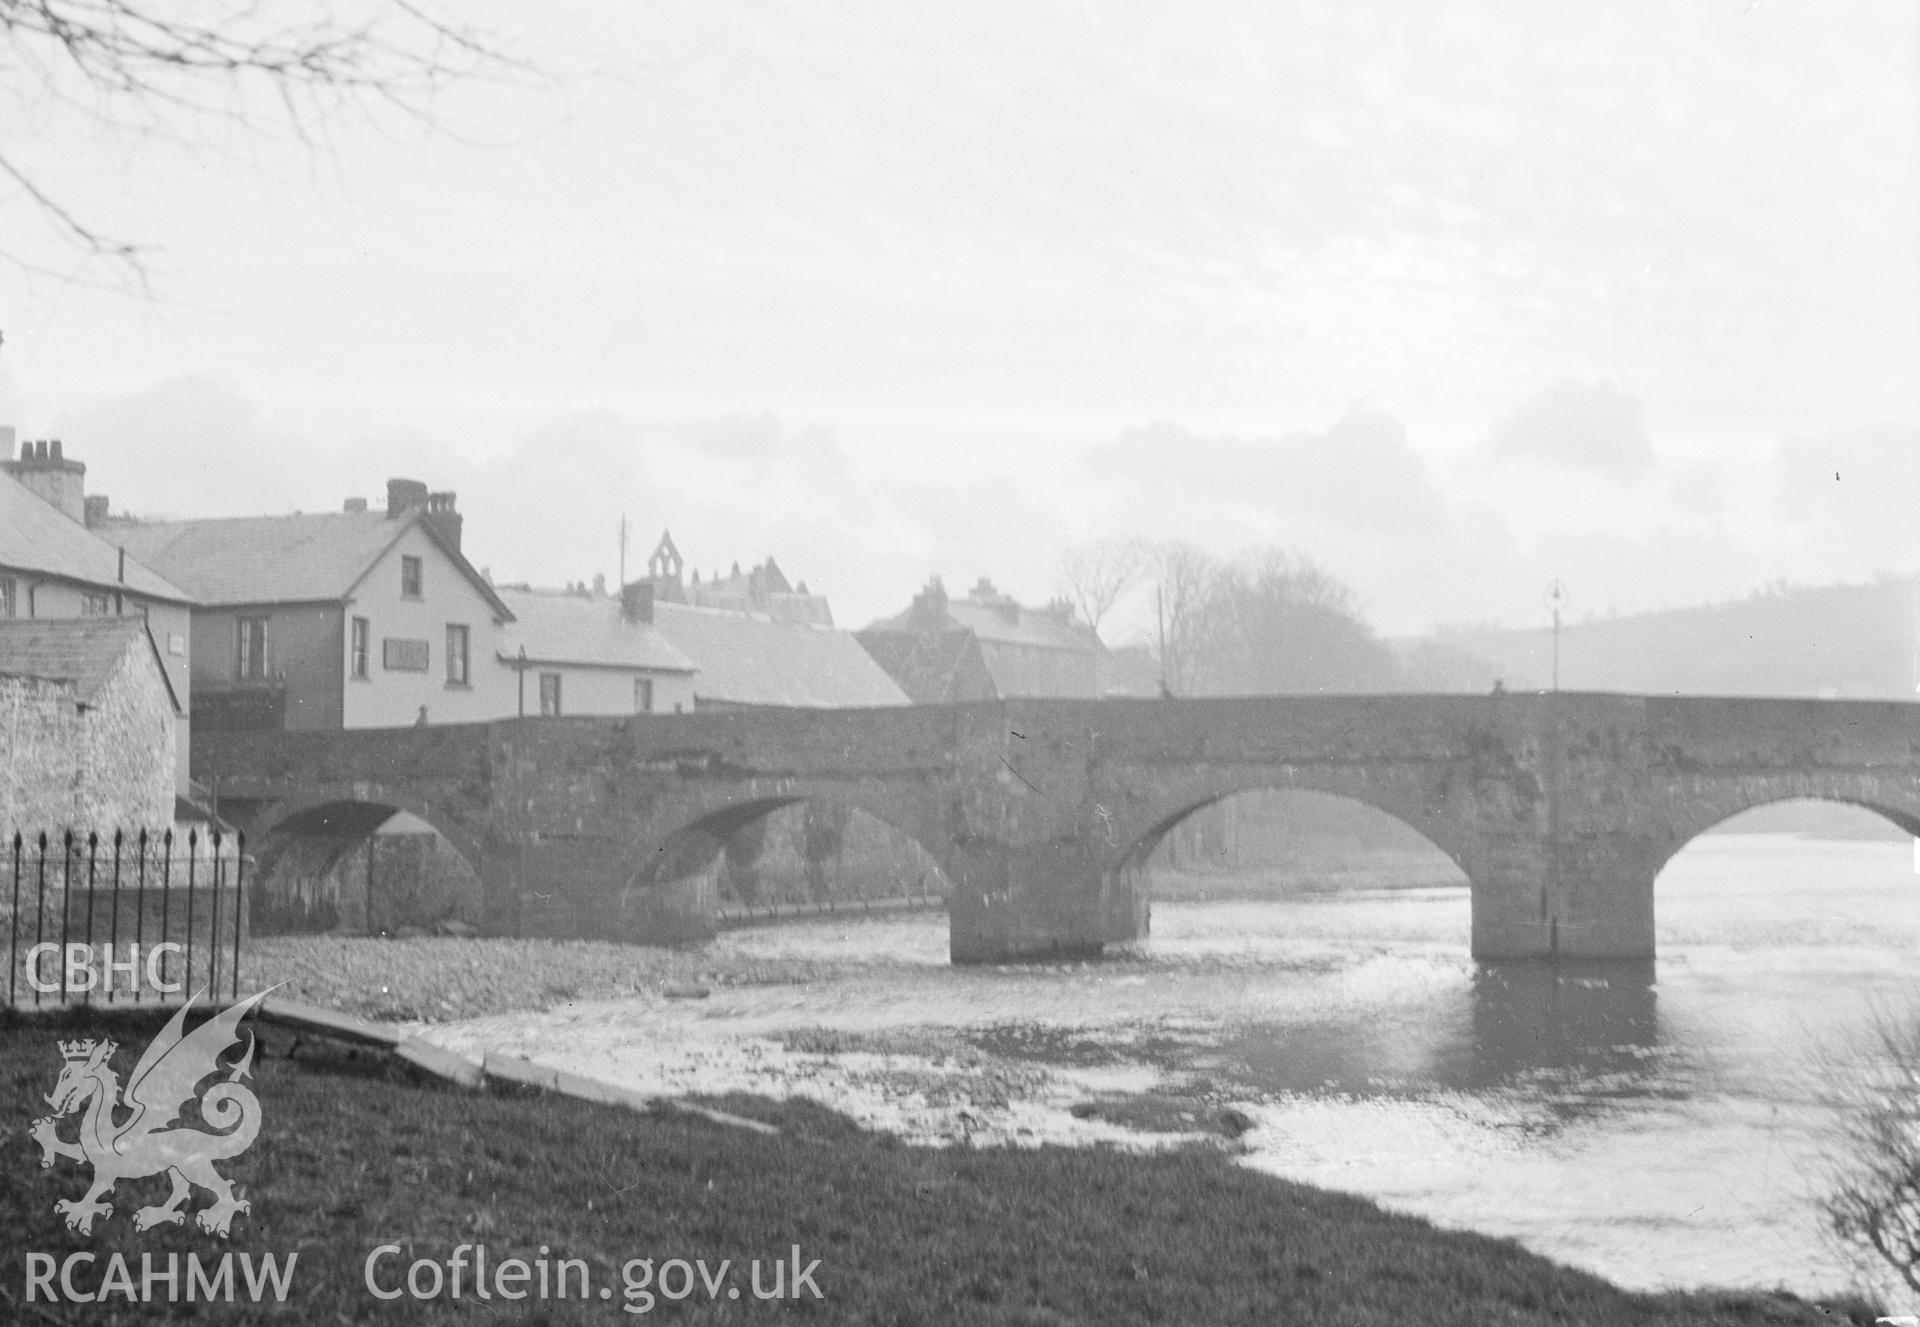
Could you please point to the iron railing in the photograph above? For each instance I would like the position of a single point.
(144, 916)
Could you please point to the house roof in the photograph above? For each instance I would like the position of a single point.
(750, 659)
(1000, 621)
(1035, 628)
(37, 536)
(933, 668)
(303, 558)
(556, 627)
(82, 651)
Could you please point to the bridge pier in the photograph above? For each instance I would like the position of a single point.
(1592, 898)
(1011, 904)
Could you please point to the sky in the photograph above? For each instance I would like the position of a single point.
(1453, 299)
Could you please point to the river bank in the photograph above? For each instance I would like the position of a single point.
(370, 1187)
(1664, 1125)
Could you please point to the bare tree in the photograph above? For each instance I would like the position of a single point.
(1277, 624)
(1097, 574)
(1185, 578)
(1875, 1201)
(266, 65)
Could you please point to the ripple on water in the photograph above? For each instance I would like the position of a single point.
(1660, 1124)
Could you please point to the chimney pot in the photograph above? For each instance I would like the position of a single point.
(56, 450)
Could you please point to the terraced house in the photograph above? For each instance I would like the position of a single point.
(350, 619)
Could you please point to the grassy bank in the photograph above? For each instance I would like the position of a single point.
(354, 1154)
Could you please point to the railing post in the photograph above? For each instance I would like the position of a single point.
(140, 905)
(213, 927)
(166, 888)
(193, 856)
(93, 858)
(66, 900)
(114, 943)
(239, 902)
(40, 907)
(13, 937)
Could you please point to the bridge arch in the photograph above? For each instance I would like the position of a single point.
(1706, 813)
(677, 889)
(300, 846)
(1136, 832)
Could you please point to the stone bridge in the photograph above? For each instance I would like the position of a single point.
(1559, 808)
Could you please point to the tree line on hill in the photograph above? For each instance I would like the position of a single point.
(1270, 621)
(1267, 621)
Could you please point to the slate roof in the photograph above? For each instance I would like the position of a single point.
(304, 558)
(934, 667)
(750, 659)
(37, 536)
(1031, 627)
(1002, 623)
(557, 627)
(83, 651)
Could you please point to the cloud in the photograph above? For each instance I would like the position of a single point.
(1583, 426)
(1700, 489)
(1850, 498)
(1360, 473)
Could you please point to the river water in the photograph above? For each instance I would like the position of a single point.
(1665, 1124)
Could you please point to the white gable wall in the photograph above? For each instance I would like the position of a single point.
(392, 697)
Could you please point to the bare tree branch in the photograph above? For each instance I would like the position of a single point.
(312, 60)
(1097, 574)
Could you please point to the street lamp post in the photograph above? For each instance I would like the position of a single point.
(1556, 601)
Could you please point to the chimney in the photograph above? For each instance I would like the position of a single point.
(96, 509)
(354, 506)
(52, 477)
(636, 601)
(442, 516)
(403, 496)
(929, 610)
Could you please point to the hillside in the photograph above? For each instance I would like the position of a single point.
(1847, 641)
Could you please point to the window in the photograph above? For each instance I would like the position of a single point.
(643, 695)
(456, 654)
(409, 577)
(361, 661)
(549, 695)
(250, 654)
(6, 596)
(95, 605)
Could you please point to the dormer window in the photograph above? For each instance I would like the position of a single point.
(409, 577)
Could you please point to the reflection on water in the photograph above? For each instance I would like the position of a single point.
(1577, 1036)
(1661, 1123)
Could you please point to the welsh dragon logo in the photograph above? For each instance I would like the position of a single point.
(149, 1140)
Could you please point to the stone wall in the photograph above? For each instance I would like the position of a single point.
(105, 766)
(41, 746)
(127, 779)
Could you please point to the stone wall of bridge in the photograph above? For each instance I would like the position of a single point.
(1559, 809)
